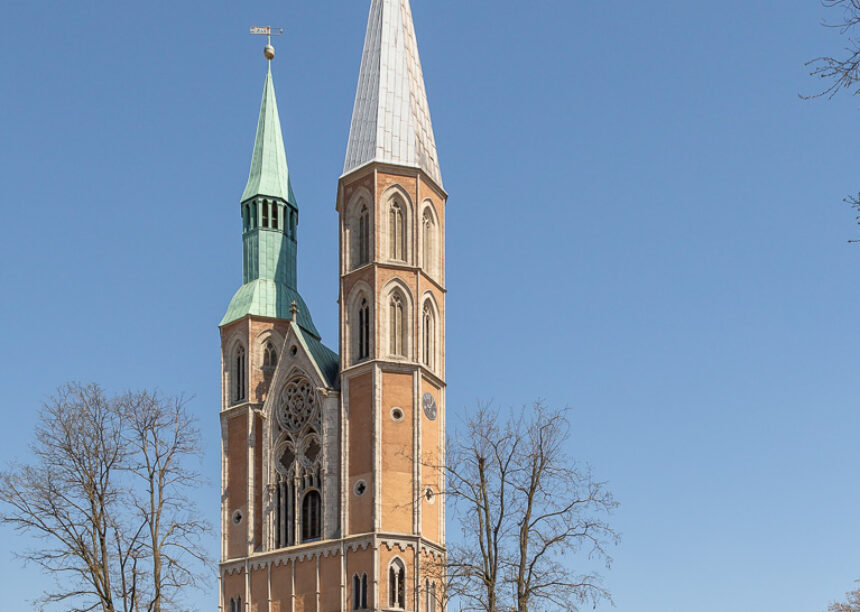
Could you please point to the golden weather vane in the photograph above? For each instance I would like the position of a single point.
(268, 32)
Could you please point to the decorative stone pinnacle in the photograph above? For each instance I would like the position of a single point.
(294, 311)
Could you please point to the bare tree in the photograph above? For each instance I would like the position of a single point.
(83, 498)
(163, 436)
(528, 513)
(851, 604)
(842, 72)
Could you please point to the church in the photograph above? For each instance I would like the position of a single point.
(332, 461)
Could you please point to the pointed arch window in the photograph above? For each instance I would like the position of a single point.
(428, 240)
(396, 237)
(396, 325)
(363, 329)
(359, 592)
(239, 383)
(276, 213)
(270, 356)
(429, 333)
(311, 519)
(397, 584)
(363, 235)
(430, 596)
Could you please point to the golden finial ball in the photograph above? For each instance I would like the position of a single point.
(269, 52)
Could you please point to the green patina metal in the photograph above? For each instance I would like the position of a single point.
(269, 175)
(269, 220)
(326, 359)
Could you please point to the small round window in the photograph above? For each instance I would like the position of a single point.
(397, 413)
(359, 488)
(429, 496)
(237, 517)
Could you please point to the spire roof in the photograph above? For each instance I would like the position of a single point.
(391, 117)
(269, 175)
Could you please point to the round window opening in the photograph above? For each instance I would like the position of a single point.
(429, 495)
(293, 350)
(237, 517)
(397, 413)
(359, 488)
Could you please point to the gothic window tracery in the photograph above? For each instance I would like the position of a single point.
(359, 592)
(270, 356)
(396, 237)
(298, 458)
(397, 584)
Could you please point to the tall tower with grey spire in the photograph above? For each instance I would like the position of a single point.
(332, 462)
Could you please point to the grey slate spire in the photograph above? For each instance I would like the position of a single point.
(391, 117)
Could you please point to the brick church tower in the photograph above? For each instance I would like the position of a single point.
(330, 462)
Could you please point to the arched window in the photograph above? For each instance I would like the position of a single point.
(395, 319)
(364, 329)
(253, 215)
(311, 516)
(265, 213)
(428, 239)
(430, 595)
(429, 333)
(397, 584)
(363, 235)
(239, 374)
(359, 592)
(276, 214)
(270, 356)
(396, 236)
(232, 604)
(246, 217)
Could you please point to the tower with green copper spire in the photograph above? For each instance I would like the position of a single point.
(270, 216)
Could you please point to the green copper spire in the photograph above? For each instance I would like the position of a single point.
(269, 175)
(270, 217)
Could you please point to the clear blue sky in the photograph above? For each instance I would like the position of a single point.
(644, 223)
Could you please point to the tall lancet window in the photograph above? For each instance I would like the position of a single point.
(429, 339)
(239, 386)
(428, 240)
(363, 235)
(397, 584)
(311, 506)
(359, 592)
(364, 329)
(395, 320)
(298, 458)
(396, 237)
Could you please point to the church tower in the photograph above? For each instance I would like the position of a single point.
(331, 462)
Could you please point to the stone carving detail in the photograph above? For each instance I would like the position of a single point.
(296, 406)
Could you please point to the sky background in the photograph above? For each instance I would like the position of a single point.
(645, 224)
